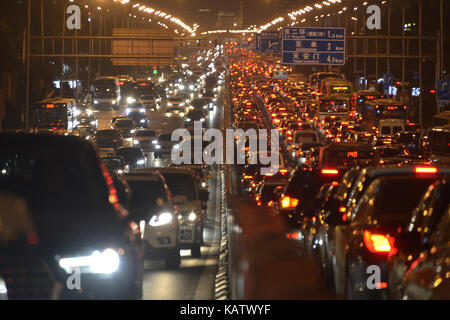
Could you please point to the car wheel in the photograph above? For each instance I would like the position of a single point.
(196, 251)
(173, 259)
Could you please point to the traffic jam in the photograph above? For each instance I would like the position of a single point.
(362, 189)
(146, 158)
(93, 191)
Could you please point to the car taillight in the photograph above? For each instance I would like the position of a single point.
(246, 177)
(289, 202)
(293, 235)
(425, 170)
(379, 243)
(330, 171)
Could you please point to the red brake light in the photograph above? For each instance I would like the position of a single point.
(293, 235)
(330, 171)
(425, 170)
(379, 243)
(289, 202)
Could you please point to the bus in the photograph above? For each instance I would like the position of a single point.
(441, 119)
(106, 93)
(316, 78)
(332, 109)
(145, 87)
(439, 138)
(53, 115)
(336, 87)
(361, 97)
(374, 111)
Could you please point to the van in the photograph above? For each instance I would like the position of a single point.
(388, 127)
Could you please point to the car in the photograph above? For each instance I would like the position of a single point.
(174, 102)
(427, 277)
(143, 138)
(392, 154)
(70, 220)
(152, 205)
(84, 131)
(132, 156)
(388, 127)
(424, 230)
(115, 164)
(188, 197)
(150, 102)
(370, 233)
(163, 145)
(107, 138)
(124, 126)
(194, 115)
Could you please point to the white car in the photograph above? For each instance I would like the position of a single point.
(152, 205)
(388, 127)
(143, 138)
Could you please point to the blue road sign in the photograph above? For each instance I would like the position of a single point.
(388, 82)
(443, 90)
(270, 42)
(317, 46)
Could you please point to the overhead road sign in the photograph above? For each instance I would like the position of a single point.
(313, 46)
(270, 42)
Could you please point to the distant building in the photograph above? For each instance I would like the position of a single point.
(228, 20)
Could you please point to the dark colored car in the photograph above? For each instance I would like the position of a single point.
(108, 138)
(115, 164)
(69, 222)
(371, 233)
(124, 126)
(428, 223)
(297, 201)
(194, 115)
(132, 156)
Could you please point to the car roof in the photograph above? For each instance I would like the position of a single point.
(396, 170)
(47, 139)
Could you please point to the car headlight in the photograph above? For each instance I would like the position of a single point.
(93, 123)
(202, 119)
(135, 142)
(95, 101)
(192, 216)
(169, 104)
(203, 184)
(142, 121)
(127, 110)
(191, 87)
(161, 219)
(98, 262)
(142, 110)
(141, 162)
(114, 102)
(131, 100)
(157, 146)
(188, 120)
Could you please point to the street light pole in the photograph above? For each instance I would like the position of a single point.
(27, 98)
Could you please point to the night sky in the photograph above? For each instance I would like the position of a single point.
(255, 11)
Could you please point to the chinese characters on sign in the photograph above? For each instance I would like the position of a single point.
(307, 46)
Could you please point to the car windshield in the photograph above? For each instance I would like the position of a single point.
(130, 153)
(145, 133)
(399, 196)
(181, 185)
(145, 194)
(124, 123)
(305, 137)
(165, 137)
(104, 133)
